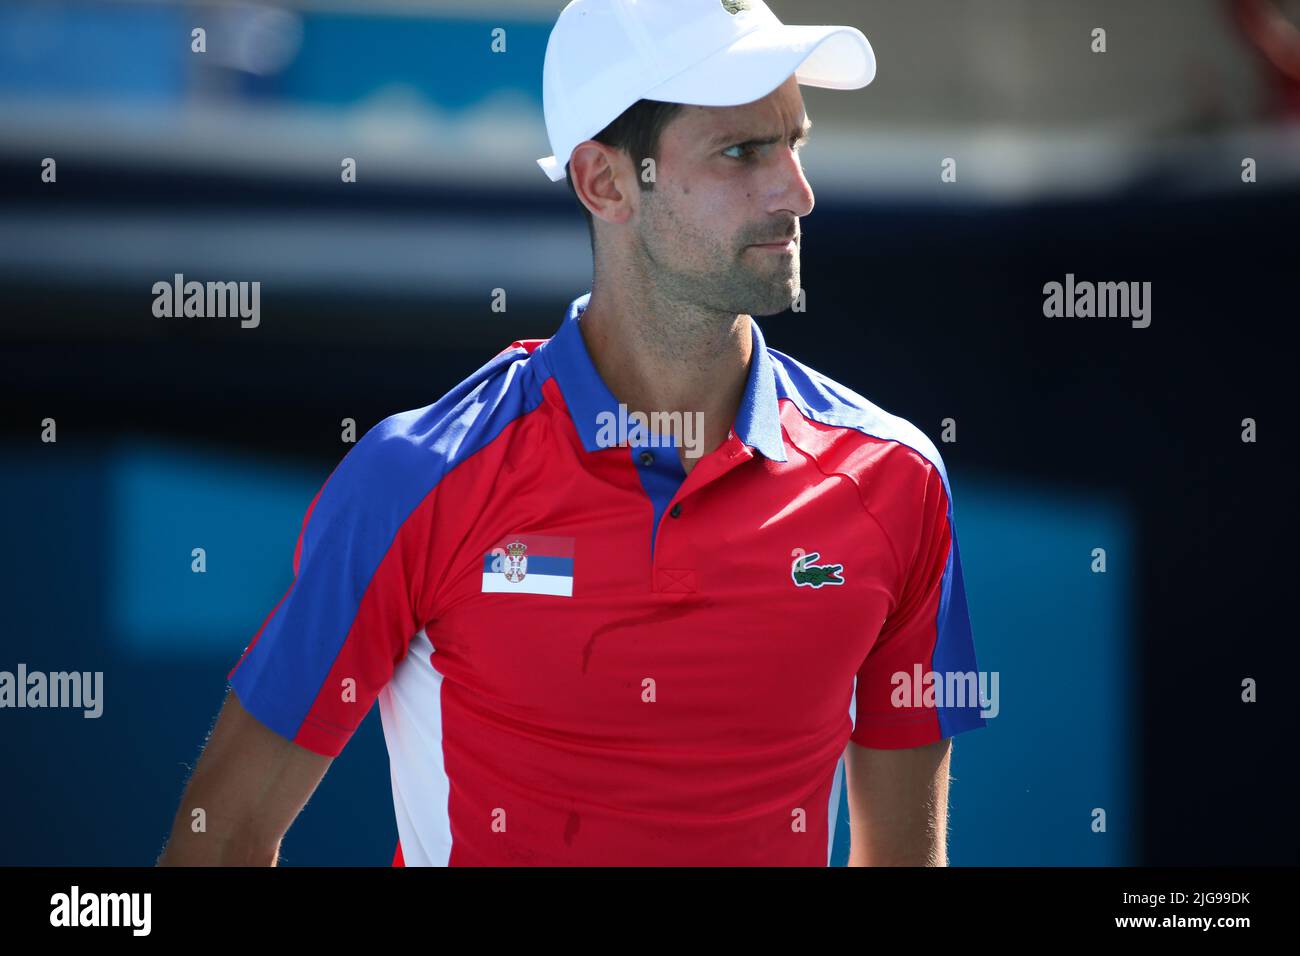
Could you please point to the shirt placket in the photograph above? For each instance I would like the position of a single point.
(673, 561)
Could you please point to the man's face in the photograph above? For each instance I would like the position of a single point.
(727, 179)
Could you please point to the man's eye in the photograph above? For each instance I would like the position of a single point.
(746, 150)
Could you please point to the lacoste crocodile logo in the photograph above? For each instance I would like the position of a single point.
(805, 573)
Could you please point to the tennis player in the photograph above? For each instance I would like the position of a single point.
(646, 592)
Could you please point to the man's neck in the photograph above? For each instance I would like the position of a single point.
(667, 358)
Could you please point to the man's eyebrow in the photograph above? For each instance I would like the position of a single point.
(732, 138)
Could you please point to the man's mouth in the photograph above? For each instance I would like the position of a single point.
(784, 246)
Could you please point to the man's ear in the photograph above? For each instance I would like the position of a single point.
(601, 178)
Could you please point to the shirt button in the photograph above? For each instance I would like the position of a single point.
(677, 510)
(647, 458)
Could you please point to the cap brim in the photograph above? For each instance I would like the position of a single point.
(834, 57)
(552, 168)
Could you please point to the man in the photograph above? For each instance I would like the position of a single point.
(594, 642)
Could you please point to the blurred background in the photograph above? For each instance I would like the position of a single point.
(1119, 691)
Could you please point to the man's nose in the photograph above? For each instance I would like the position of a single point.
(798, 194)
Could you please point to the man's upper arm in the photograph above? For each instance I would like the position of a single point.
(250, 784)
(313, 670)
(311, 673)
(898, 805)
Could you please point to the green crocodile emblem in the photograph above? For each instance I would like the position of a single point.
(807, 574)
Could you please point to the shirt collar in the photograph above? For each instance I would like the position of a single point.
(758, 420)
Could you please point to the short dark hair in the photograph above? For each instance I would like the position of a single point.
(636, 131)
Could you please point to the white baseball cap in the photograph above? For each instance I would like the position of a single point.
(604, 55)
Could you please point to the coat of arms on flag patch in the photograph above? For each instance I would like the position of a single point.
(529, 564)
(516, 561)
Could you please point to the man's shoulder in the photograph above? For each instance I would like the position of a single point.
(833, 405)
(411, 450)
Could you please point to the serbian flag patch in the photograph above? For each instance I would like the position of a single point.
(529, 564)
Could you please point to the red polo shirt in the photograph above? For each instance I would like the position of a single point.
(583, 655)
